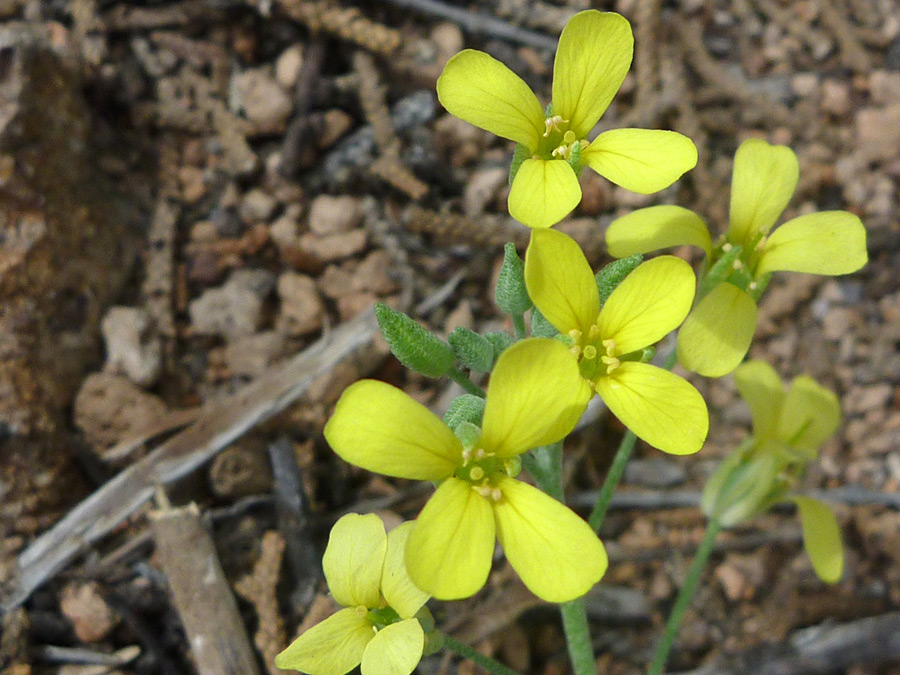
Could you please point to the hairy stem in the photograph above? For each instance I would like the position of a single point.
(460, 378)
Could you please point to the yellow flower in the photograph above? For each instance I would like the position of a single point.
(788, 428)
(658, 406)
(717, 334)
(593, 56)
(365, 573)
(530, 402)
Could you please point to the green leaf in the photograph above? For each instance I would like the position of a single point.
(720, 271)
(472, 350)
(500, 341)
(466, 408)
(510, 294)
(540, 327)
(415, 347)
(613, 274)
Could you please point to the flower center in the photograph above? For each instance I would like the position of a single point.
(558, 141)
(481, 469)
(597, 357)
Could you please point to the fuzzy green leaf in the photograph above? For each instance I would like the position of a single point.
(613, 274)
(472, 350)
(415, 347)
(510, 294)
(466, 408)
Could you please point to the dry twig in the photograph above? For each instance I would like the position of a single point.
(347, 24)
(207, 608)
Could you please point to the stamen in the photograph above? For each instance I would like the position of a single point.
(575, 334)
(575, 350)
(553, 123)
(737, 264)
(610, 346)
(753, 285)
(726, 247)
(594, 332)
(569, 137)
(488, 492)
(611, 363)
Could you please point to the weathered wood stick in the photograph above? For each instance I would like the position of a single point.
(202, 595)
(218, 425)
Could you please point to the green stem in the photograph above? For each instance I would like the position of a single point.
(601, 506)
(545, 465)
(460, 378)
(519, 326)
(698, 564)
(578, 637)
(484, 661)
(623, 453)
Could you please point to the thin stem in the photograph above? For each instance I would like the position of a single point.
(698, 564)
(601, 506)
(460, 378)
(545, 465)
(623, 453)
(484, 661)
(519, 326)
(578, 637)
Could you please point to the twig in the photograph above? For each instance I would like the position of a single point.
(389, 166)
(292, 509)
(202, 596)
(817, 650)
(478, 23)
(259, 589)
(297, 140)
(347, 24)
(219, 425)
(853, 54)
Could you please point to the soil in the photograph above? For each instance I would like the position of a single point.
(192, 191)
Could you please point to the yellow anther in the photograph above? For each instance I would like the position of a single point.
(761, 244)
(488, 492)
(753, 285)
(466, 455)
(480, 453)
(477, 473)
(726, 247)
(611, 363)
(594, 332)
(575, 334)
(737, 264)
(590, 352)
(609, 345)
(575, 350)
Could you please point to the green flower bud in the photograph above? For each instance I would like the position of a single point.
(468, 434)
(500, 341)
(613, 274)
(510, 294)
(540, 327)
(466, 408)
(740, 488)
(472, 350)
(415, 347)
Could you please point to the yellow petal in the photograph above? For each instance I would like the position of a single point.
(654, 228)
(449, 552)
(482, 91)
(380, 428)
(543, 192)
(354, 559)
(554, 551)
(560, 281)
(398, 589)
(652, 301)
(641, 160)
(763, 391)
(592, 59)
(764, 179)
(660, 407)
(535, 397)
(831, 242)
(333, 647)
(395, 649)
(717, 334)
(821, 538)
(810, 414)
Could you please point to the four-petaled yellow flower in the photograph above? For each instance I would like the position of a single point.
(592, 59)
(658, 406)
(788, 428)
(531, 401)
(377, 629)
(717, 334)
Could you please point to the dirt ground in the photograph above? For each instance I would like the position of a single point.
(192, 193)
